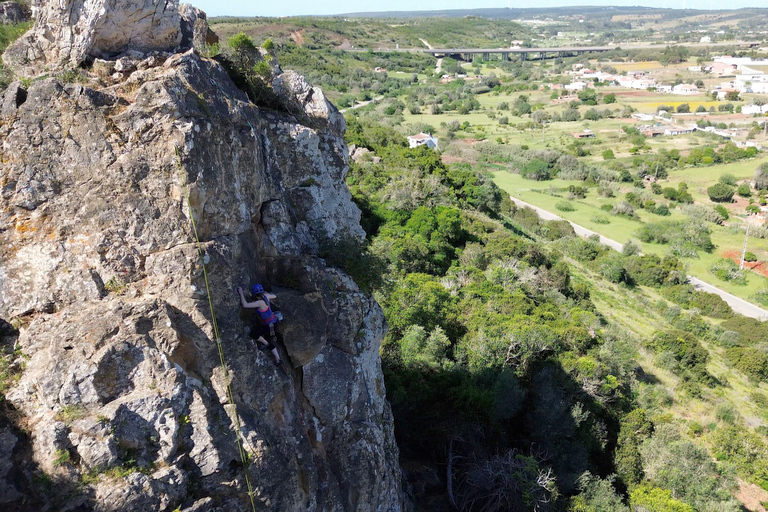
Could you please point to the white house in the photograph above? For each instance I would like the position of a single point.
(755, 109)
(757, 84)
(686, 89)
(422, 139)
(679, 131)
(664, 89)
(576, 86)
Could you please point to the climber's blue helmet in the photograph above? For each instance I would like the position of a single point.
(256, 289)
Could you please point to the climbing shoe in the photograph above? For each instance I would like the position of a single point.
(263, 347)
(278, 362)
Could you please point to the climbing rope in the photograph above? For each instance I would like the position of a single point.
(244, 457)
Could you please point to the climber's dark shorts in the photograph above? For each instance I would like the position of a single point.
(259, 329)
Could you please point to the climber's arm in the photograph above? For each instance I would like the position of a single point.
(245, 303)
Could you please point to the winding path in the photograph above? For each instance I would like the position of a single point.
(439, 65)
(738, 305)
(362, 104)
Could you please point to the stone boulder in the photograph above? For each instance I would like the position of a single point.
(12, 13)
(68, 32)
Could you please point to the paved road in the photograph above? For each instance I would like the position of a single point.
(738, 305)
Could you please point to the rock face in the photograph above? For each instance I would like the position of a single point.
(124, 400)
(67, 32)
(11, 12)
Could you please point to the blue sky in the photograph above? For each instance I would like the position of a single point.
(310, 7)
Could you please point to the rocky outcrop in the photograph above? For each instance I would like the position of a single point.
(68, 32)
(11, 13)
(124, 401)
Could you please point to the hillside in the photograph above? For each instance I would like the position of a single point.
(597, 380)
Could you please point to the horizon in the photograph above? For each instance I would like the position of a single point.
(306, 8)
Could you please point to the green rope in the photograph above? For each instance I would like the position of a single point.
(244, 457)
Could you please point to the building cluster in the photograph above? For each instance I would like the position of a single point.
(748, 76)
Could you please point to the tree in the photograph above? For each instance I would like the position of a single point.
(732, 96)
(609, 98)
(761, 177)
(684, 108)
(588, 96)
(608, 154)
(720, 193)
(537, 169)
(592, 115)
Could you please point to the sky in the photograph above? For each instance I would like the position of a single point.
(314, 7)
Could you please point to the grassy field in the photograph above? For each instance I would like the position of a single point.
(621, 229)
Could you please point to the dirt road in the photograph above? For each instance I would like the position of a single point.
(738, 305)
(362, 104)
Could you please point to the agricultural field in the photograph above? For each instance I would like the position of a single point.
(728, 239)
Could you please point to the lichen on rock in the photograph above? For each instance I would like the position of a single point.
(123, 398)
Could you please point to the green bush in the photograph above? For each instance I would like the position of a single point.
(726, 270)
(691, 234)
(565, 206)
(687, 296)
(686, 351)
(720, 193)
(536, 169)
(728, 179)
(647, 497)
(600, 219)
(744, 190)
(651, 270)
(750, 256)
(722, 211)
(750, 330)
(750, 361)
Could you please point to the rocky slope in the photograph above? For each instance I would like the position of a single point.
(122, 401)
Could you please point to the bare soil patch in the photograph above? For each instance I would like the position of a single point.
(633, 94)
(759, 267)
(751, 496)
(298, 37)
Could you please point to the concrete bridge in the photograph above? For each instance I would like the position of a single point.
(467, 54)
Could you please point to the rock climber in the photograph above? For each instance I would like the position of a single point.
(265, 328)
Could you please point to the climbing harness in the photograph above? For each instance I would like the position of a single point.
(244, 457)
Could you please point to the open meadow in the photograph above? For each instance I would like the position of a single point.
(587, 212)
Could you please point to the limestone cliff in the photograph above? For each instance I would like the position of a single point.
(122, 402)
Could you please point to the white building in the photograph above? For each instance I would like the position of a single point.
(422, 139)
(576, 86)
(751, 83)
(755, 109)
(679, 131)
(686, 89)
